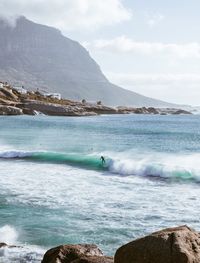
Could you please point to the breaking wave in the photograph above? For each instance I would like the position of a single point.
(168, 166)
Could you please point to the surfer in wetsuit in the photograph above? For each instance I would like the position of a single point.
(103, 161)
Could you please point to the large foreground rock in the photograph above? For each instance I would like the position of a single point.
(76, 254)
(171, 245)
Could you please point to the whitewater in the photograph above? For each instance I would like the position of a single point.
(54, 189)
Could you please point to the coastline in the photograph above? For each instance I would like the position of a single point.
(13, 102)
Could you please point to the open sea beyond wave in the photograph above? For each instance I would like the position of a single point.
(54, 189)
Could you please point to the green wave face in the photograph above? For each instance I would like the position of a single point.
(184, 175)
(122, 167)
(89, 162)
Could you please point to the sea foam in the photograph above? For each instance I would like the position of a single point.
(180, 166)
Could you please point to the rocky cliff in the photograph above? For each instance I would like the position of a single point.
(39, 56)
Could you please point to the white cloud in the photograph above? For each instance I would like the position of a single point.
(68, 14)
(127, 45)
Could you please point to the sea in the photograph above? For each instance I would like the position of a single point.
(54, 188)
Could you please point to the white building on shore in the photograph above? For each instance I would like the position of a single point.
(20, 89)
(53, 95)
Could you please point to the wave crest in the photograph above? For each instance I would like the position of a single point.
(124, 164)
(147, 169)
(15, 154)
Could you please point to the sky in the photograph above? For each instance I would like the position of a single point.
(149, 46)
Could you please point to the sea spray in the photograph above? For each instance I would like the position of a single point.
(17, 252)
(8, 234)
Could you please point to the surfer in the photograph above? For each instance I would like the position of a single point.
(103, 161)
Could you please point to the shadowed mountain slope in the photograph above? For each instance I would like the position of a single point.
(39, 56)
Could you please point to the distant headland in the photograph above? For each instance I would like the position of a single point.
(17, 100)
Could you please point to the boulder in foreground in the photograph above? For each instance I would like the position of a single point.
(171, 245)
(77, 254)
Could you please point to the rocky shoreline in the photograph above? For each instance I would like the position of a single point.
(171, 245)
(13, 102)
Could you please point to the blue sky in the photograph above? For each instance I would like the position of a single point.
(148, 46)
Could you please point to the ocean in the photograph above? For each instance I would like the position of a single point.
(55, 190)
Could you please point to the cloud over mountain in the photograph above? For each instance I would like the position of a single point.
(67, 14)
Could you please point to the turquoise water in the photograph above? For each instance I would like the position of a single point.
(54, 189)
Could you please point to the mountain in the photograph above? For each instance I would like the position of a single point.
(39, 56)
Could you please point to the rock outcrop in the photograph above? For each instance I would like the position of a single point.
(178, 112)
(76, 254)
(72, 109)
(54, 109)
(151, 110)
(171, 245)
(142, 110)
(10, 110)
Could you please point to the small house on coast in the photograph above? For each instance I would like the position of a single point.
(53, 95)
(20, 89)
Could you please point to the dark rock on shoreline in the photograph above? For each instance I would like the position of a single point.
(178, 112)
(77, 254)
(177, 245)
(100, 109)
(4, 245)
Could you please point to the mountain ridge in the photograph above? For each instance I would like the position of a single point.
(39, 56)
